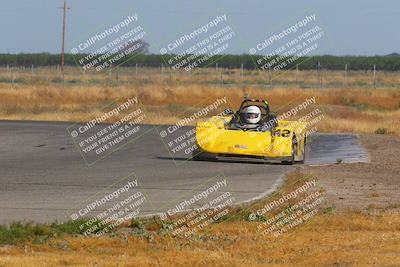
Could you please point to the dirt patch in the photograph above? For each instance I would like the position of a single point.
(365, 186)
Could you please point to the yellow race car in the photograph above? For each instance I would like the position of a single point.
(228, 136)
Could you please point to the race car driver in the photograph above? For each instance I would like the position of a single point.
(249, 119)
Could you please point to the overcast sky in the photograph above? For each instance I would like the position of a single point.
(356, 27)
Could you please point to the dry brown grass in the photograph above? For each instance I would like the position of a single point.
(331, 240)
(347, 109)
(289, 78)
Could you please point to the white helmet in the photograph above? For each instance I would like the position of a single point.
(251, 114)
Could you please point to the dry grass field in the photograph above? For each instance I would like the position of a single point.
(348, 239)
(351, 106)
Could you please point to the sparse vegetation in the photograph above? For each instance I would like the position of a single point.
(382, 131)
(346, 109)
(22, 232)
(232, 242)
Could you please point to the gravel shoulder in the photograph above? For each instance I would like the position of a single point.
(365, 186)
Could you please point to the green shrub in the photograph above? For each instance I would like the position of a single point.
(381, 131)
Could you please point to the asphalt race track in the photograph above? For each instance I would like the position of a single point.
(43, 177)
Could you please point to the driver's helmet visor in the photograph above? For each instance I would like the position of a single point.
(251, 115)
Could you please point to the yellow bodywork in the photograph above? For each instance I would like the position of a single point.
(214, 137)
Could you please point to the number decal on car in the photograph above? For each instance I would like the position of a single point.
(283, 133)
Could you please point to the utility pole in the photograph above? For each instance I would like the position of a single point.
(63, 39)
(319, 74)
(374, 79)
(216, 70)
(110, 74)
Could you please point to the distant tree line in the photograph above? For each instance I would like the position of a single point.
(389, 62)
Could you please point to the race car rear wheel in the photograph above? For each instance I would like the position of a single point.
(303, 156)
(292, 159)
